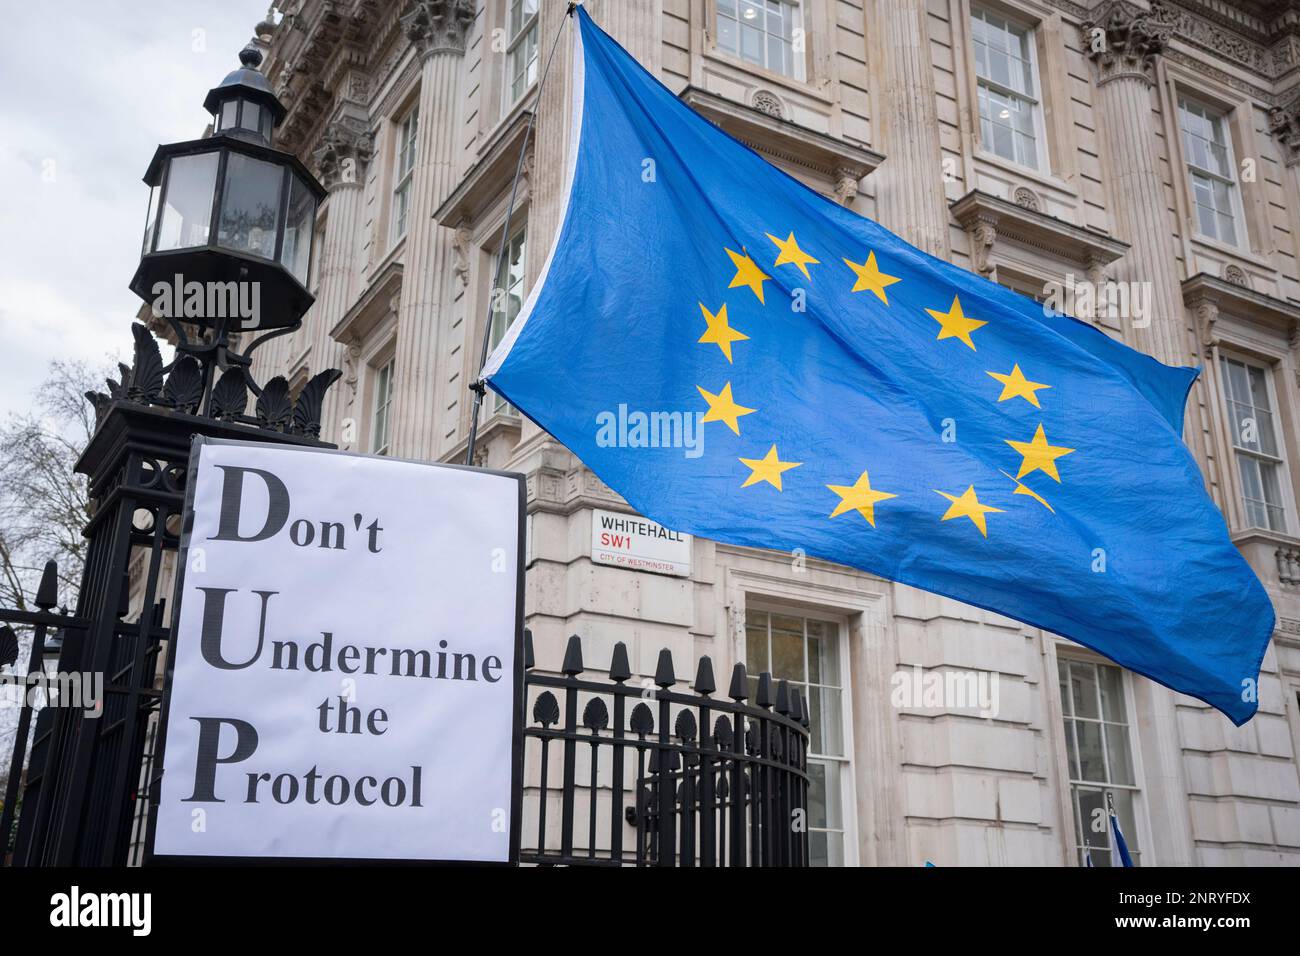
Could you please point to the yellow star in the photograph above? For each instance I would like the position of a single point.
(1015, 385)
(747, 273)
(1026, 490)
(870, 277)
(968, 506)
(768, 468)
(720, 332)
(1038, 455)
(859, 497)
(791, 254)
(955, 325)
(723, 408)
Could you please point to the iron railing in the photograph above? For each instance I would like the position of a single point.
(652, 776)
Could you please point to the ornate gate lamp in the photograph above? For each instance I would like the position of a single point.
(227, 244)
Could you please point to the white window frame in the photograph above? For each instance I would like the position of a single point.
(381, 372)
(529, 31)
(793, 10)
(1282, 461)
(1069, 651)
(405, 156)
(517, 233)
(848, 796)
(1040, 163)
(1239, 231)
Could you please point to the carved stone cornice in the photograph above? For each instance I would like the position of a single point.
(345, 150)
(989, 219)
(1284, 123)
(1125, 40)
(438, 26)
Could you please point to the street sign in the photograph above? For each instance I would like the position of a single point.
(346, 672)
(639, 544)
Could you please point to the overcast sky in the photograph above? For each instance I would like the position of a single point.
(91, 87)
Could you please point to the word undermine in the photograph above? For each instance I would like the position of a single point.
(345, 681)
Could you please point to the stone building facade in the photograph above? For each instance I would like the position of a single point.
(1151, 149)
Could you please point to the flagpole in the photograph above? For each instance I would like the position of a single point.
(478, 386)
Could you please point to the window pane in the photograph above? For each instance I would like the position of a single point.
(229, 111)
(187, 211)
(1083, 679)
(1118, 754)
(756, 650)
(149, 220)
(828, 729)
(299, 226)
(1092, 764)
(787, 653)
(250, 206)
(1112, 694)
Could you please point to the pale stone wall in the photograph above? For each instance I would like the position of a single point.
(891, 78)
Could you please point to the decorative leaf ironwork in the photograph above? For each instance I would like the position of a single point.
(274, 409)
(147, 371)
(595, 716)
(230, 396)
(307, 409)
(722, 733)
(8, 646)
(643, 721)
(685, 726)
(184, 388)
(546, 709)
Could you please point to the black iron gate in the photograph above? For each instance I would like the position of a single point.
(686, 777)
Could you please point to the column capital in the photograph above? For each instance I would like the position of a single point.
(344, 152)
(438, 26)
(1284, 123)
(1124, 39)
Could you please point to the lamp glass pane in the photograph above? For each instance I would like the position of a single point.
(250, 206)
(299, 223)
(187, 208)
(149, 221)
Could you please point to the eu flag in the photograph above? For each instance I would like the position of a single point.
(743, 359)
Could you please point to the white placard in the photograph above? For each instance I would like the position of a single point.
(345, 680)
(630, 541)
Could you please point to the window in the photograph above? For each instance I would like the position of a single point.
(1210, 166)
(406, 134)
(521, 48)
(1099, 749)
(508, 296)
(805, 651)
(1006, 82)
(1248, 392)
(762, 32)
(380, 425)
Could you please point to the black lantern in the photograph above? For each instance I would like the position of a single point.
(230, 208)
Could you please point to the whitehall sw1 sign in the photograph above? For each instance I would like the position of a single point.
(345, 680)
(630, 541)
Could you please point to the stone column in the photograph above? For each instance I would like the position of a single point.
(342, 157)
(1284, 123)
(438, 30)
(910, 198)
(1124, 39)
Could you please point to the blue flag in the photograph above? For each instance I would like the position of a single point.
(741, 358)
